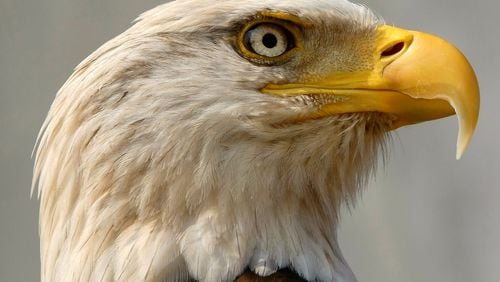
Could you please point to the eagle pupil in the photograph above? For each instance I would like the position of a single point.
(269, 40)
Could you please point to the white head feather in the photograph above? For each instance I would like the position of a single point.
(160, 158)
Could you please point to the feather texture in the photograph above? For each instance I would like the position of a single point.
(161, 160)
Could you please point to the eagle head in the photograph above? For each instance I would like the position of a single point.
(216, 136)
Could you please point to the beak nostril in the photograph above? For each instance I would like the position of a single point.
(393, 49)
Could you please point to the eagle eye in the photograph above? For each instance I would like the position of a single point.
(269, 40)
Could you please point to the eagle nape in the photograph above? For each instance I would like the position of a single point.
(218, 140)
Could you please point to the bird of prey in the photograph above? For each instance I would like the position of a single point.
(217, 137)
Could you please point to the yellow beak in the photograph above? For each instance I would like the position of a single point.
(416, 77)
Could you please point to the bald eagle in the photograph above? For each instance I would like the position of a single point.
(216, 137)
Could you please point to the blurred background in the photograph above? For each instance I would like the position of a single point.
(425, 217)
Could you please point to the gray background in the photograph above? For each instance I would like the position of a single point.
(426, 217)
